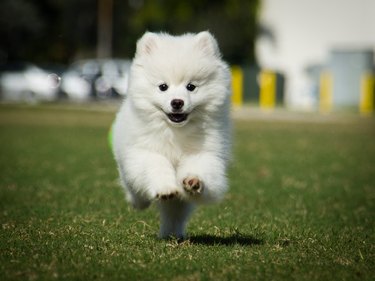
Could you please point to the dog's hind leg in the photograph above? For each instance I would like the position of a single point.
(174, 215)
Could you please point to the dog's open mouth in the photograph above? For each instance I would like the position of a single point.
(177, 117)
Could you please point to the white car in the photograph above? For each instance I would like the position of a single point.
(94, 78)
(27, 82)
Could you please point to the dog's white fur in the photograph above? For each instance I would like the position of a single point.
(175, 164)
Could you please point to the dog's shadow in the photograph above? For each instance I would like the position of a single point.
(235, 239)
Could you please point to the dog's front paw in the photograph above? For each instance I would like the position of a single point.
(193, 185)
(167, 196)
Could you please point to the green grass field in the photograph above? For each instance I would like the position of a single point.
(301, 205)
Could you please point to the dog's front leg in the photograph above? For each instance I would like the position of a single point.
(203, 177)
(149, 175)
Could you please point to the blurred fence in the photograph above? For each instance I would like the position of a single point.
(346, 87)
(251, 85)
(366, 93)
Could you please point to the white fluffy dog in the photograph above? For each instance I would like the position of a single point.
(171, 136)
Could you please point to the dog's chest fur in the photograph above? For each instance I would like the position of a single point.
(174, 143)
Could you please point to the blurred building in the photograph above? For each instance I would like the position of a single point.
(304, 38)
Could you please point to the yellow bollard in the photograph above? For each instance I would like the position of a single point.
(237, 86)
(366, 103)
(267, 94)
(326, 92)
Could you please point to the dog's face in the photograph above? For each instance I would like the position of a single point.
(178, 79)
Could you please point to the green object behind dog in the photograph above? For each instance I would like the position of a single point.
(110, 138)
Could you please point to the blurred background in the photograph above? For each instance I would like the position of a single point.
(296, 54)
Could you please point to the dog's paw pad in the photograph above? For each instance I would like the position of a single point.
(193, 185)
(167, 196)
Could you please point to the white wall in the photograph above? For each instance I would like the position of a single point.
(305, 32)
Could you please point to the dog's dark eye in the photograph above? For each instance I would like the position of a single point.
(163, 87)
(190, 87)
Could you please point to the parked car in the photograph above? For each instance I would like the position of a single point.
(94, 78)
(27, 82)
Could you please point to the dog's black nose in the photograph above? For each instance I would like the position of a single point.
(177, 104)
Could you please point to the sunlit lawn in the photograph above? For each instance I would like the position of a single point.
(300, 207)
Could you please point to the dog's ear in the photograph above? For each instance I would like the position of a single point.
(146, 44)
(207, 43)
